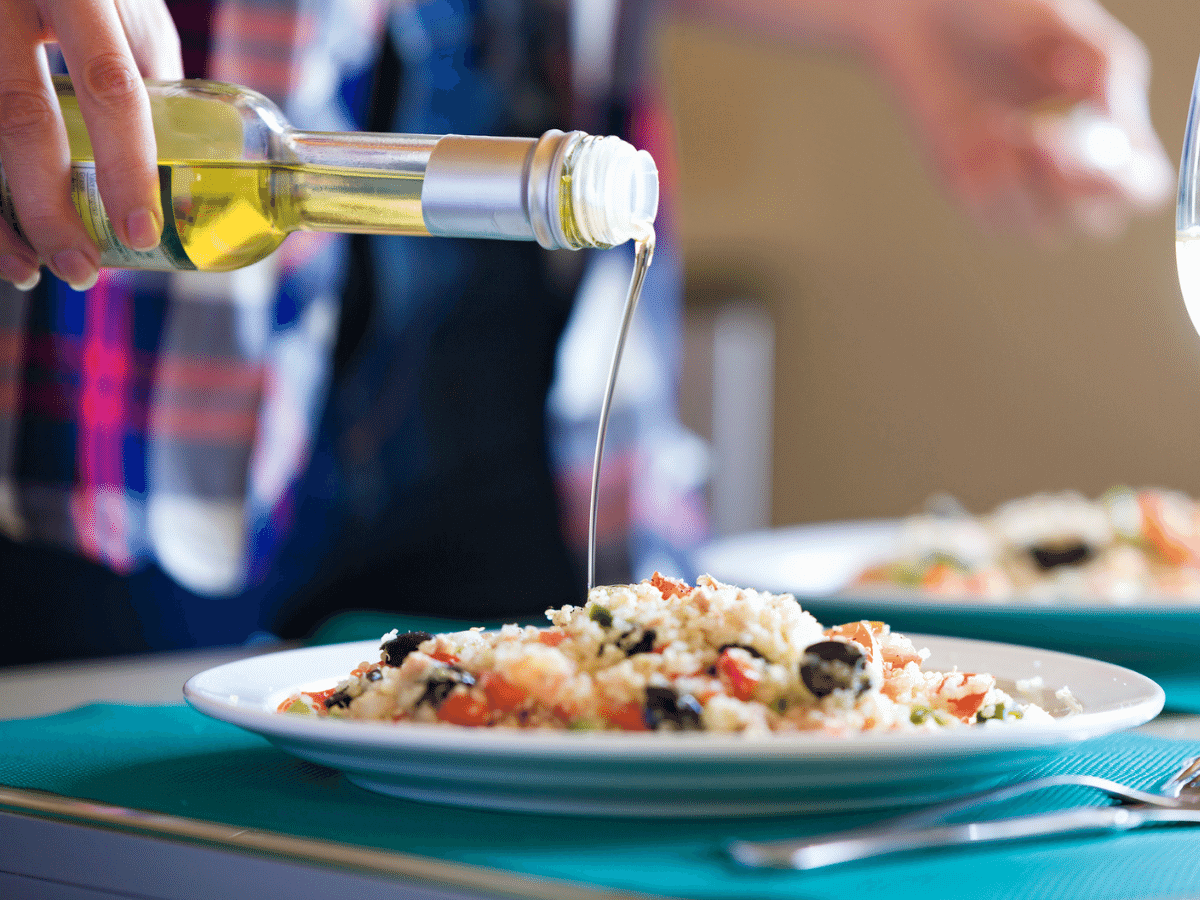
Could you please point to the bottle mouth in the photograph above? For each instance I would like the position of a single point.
(564, 190)
(613, 191)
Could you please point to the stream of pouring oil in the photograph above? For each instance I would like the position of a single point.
(644, 252)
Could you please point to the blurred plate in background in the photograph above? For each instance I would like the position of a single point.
(816, 563)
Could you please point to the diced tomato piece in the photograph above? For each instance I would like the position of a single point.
(861, 633)
(890, 689)
(463, 708)
(739, 674)
(884, 573)
(501, 694)
(1175, 547)
(444, 656)
(966, 707)
(898, 659)
(938, 575)
(320, 698)
(627, 717)
(551, 638)
(670, 587)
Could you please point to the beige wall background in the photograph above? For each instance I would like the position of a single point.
(913, 354)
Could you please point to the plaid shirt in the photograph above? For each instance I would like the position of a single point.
(170, 418)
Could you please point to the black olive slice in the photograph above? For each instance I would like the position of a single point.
(441, 681)
(712, 670)
(392, 652)
(829, 666)
(668, 710)
(637, 640)
(745, 647)
(1064, 553)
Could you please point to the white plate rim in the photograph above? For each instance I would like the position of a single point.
(208, 692)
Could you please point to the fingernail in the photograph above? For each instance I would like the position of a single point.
(75, 269)
(31, 282)
(142, 228)
(16, 270)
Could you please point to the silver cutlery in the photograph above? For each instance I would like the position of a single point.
(1177, 801)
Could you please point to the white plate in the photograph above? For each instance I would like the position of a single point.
(645, 774)
(816, 563)
(807, 560)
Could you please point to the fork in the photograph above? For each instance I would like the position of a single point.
(1177, 801)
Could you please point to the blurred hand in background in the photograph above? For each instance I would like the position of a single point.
(1033, 113)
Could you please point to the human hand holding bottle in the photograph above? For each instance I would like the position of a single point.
(1033, 112)
(109, 46)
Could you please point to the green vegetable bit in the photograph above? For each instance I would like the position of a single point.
(922, 714)
(997, 713)
(601, 615)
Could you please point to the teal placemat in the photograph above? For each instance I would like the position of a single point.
(1183, 691)
(174, 760)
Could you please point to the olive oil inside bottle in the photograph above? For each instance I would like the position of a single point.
(228, 211)
(230, 214)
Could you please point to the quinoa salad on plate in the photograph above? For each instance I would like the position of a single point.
(1125, 546)
(664, 655)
